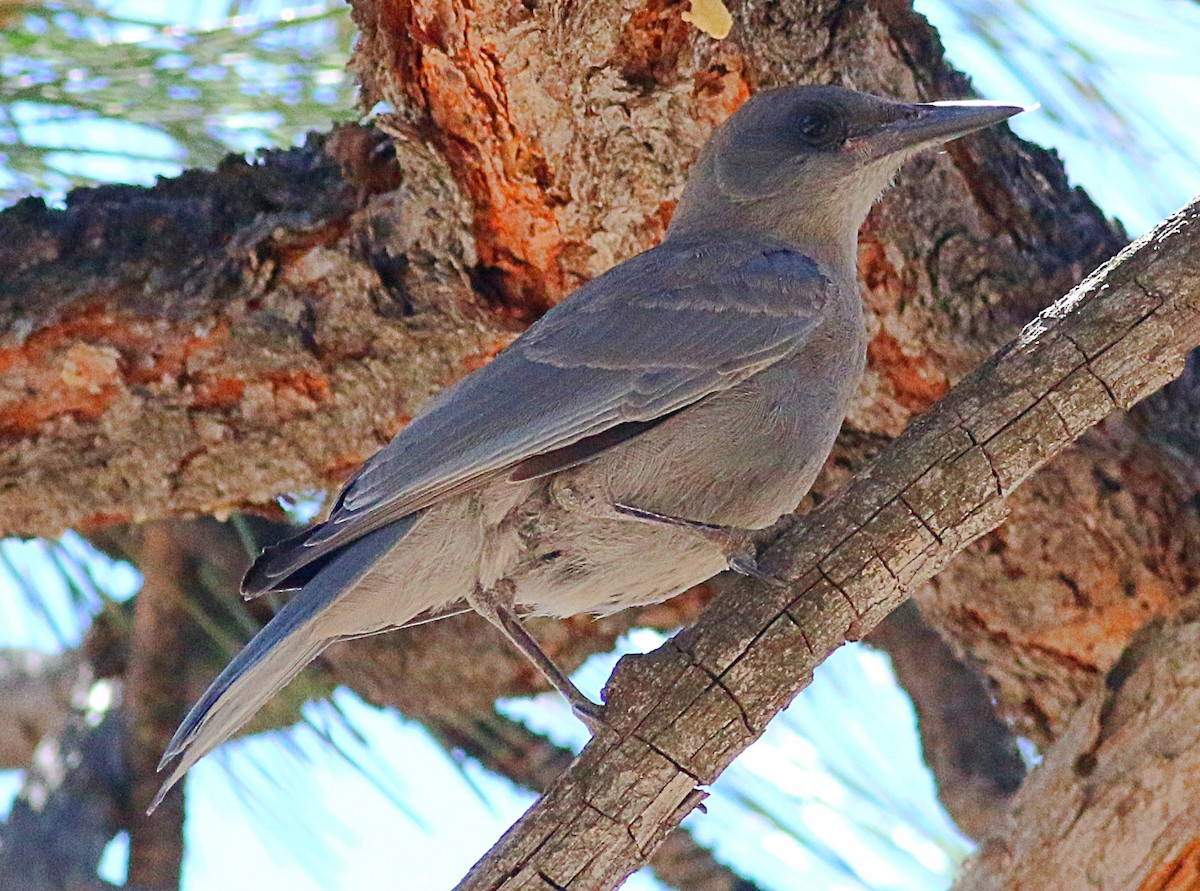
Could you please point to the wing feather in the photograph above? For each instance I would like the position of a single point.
(648, 338)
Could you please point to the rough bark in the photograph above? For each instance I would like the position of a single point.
(678, 716)
(511, 750)
(227, 336)
(1116, 802)
(972, 753)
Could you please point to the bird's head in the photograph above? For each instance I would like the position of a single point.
(805, 163)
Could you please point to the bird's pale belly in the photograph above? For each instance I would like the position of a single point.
(739, 459)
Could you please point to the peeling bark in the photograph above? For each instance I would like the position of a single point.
(225, 337)
(680, 715)
(229, 336)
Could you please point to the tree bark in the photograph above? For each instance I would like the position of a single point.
(971, 753)
(228, 336)
(509, 749)
(1116, 802)
(680, 715)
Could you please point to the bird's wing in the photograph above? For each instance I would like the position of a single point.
(645, 339)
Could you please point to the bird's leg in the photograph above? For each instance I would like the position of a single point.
(736, 544)
(496, 605)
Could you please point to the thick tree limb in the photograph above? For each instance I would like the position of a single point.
(227, 336)
(969, 243)
(682, 713)
(1116, 802)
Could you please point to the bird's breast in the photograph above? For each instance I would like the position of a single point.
(744, 456)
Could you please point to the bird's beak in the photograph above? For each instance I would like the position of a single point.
(928, 124)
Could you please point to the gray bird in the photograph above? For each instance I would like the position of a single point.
(618, 452)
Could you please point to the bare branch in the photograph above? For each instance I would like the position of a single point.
(509, 749)
(971, 752)
(682, 713)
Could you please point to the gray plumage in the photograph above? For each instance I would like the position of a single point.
(703, 380)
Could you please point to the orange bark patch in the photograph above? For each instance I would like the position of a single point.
(877, 271)
(1101, 633)
(102, 521)
(915, 384)
(458, 79)
(720, 90)
(652, 41)
(1181, 874)
(218, 392)
(80, 365)
(302, 383)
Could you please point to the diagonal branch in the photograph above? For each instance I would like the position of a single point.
(681, 714)
(512, 750)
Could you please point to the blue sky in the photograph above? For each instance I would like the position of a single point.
(834, 796)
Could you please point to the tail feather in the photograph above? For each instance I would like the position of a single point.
(276, 655)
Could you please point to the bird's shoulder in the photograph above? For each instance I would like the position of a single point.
(764, 275)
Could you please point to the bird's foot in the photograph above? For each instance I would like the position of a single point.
(741, 554)
(590, 714)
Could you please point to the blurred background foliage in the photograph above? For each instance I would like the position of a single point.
(835, 796)
(99, 92)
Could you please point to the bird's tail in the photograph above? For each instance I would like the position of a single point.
(289, 641)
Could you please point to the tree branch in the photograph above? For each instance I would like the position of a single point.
(1115, 804)
(682, 713)
(509, 749)
(970, 751)
(296, 311)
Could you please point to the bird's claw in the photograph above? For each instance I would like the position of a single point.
(747, 564)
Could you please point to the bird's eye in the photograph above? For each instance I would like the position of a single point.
(821, 127)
